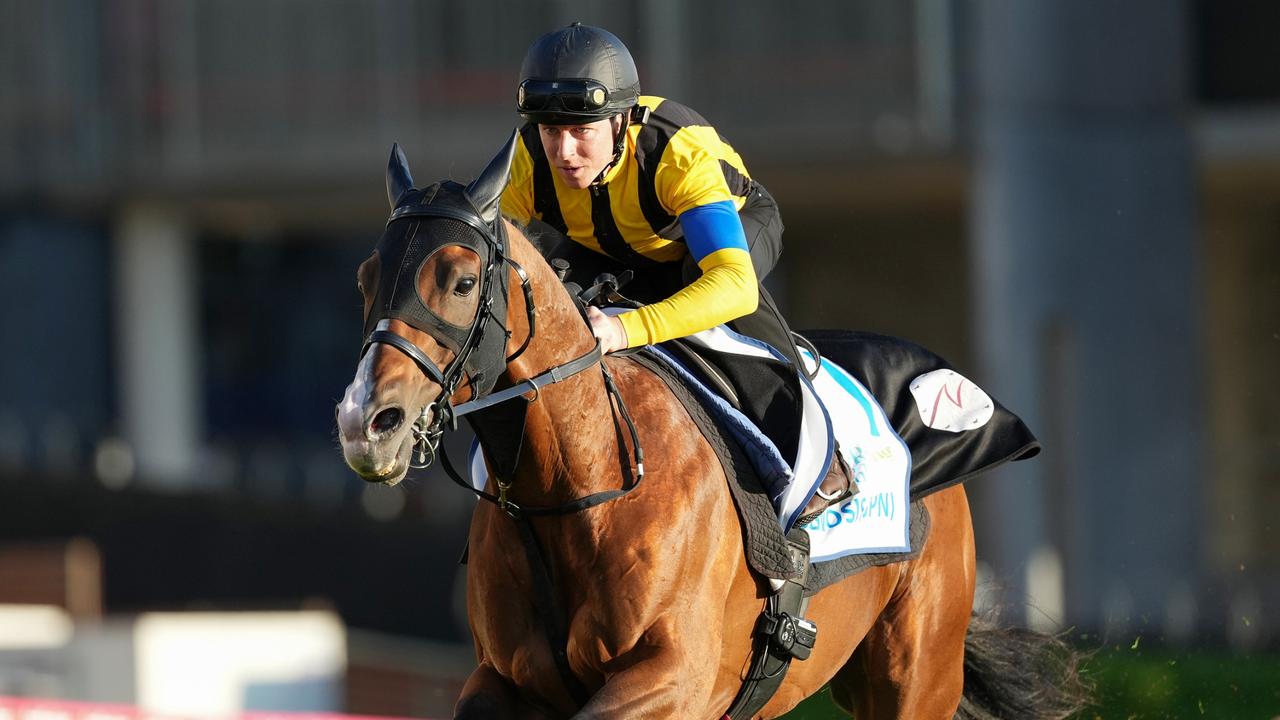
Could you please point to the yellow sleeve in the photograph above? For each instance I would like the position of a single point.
(727, 290)
(517, 199)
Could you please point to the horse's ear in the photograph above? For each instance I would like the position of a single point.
(399, 180)
(487, 189)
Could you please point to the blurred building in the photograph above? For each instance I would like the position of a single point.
(1074, 202)
(222, 664)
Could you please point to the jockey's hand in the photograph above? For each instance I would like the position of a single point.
(607, 329)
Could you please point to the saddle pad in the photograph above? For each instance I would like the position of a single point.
(876, 518)
(764, 543)
(835, 405)
(822, 574)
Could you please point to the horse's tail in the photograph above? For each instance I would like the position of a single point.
(1017, 673)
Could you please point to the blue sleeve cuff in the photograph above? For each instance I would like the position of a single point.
(712, 227)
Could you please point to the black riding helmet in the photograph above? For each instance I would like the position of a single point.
(578, 74)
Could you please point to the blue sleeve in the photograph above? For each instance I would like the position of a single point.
(712, 227)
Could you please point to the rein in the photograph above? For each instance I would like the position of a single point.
(534, 384)
(554, 375)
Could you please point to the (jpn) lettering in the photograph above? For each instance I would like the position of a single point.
(859, 508)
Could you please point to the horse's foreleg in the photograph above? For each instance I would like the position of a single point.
(661, 685)
(487, 694)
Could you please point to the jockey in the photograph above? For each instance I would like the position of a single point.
(638, 182)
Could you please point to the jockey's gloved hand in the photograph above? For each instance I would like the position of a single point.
(607, 329)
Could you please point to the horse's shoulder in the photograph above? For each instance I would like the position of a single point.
(640, 384)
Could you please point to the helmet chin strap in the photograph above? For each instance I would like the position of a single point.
(619, 144)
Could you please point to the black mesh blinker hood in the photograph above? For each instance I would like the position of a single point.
(423, 222)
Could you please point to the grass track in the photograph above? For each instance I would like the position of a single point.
(1138, 684)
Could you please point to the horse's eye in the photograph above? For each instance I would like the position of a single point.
(465, 285)
(360, 287)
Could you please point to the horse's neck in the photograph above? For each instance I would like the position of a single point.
(569, 431)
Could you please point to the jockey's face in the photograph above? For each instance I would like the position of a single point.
(579, 152)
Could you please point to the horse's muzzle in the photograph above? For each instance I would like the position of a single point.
(376, 444)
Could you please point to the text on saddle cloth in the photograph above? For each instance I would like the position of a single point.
(877, 518)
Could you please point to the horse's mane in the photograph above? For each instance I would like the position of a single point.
(542, 236)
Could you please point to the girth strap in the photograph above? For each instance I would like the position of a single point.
(782, 635)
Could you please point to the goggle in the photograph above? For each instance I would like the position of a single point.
(575, 96)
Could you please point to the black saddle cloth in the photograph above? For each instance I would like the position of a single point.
(939, 459)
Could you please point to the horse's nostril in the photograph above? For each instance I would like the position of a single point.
(387, 420)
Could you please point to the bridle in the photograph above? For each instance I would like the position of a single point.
(441, 411)
(480, 357)
(485, 334)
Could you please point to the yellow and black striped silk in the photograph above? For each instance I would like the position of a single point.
(672, 163)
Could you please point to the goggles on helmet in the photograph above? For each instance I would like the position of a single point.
(572, 96)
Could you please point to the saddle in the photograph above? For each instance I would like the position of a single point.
(837, 486)
(891, 369)
(768, 552)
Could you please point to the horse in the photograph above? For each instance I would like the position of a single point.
(648, 606)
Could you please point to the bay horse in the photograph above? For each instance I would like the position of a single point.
(644, 556)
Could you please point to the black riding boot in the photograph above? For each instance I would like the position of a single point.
(836, 487)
